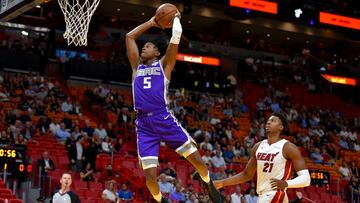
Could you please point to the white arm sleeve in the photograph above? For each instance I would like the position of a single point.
(302, 180)
(176, 31)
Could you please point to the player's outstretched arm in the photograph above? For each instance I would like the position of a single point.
(169, 59)
(131, 46)
(244, 176)
(292, 153)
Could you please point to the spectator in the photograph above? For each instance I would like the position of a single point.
(237, 197)
(207, 157)
(101, 131)
(20, 141)
(251, 197)
(205, 145)
(110, 131)
(316, 156)
(43, 124)
(108, 174)
(29, 130)
(70, 145)
(238, 149)
(67, 121)
(165, 186)
(61, 133)
(124, 193)
(106, 145)
(177, 194)
(221, 174)
(88, 129)
(343, 143)
(5, 139)
(192, 199)
(15, 130)
(345, 171)
(91, 151)
(169, 170)
(45, 165)
(354, 169)
(228, 154)
(87, 174)
(67, 106)
(354, 189)
(218, 160)
(110, 194)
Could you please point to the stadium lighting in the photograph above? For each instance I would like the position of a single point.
(312, 22)
(24, 33)
(298, 12)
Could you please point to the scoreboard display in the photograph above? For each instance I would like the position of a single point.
(13, 161)
(320, 178)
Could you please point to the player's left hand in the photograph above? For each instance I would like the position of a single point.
(277, 184)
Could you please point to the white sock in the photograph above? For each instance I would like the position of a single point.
(206, 179)
(158, 197)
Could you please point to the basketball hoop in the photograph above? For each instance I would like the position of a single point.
(77, 14)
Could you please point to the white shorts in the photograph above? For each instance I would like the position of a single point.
(279, 196)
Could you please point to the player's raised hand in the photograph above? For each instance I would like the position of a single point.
(154, 23)
(277, 184)
(218, 184)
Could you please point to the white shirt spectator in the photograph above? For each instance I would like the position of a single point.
(109, 195)
(236, 198)
(206, 159)
(218, 161)
(206, 146)
(66, 107)
(345, 172)
(251, 199)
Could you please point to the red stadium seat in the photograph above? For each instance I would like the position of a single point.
(15, 201)
(7, 196)
(93, 195)
(95, 186)
(325, 197)
(89, 201)
(80, 185)
(2, 200)
(5, 191)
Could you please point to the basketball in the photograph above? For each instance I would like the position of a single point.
(165, 14)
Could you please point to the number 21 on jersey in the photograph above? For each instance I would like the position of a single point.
(147, 82)
(268, 167)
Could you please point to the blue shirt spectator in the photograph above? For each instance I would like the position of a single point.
(61, 133)
(177, 195)
(124, 193)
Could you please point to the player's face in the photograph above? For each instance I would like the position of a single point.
(149, 51)
(66, 180)
(273, 124)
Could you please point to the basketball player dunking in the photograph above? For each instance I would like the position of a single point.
(151, 77)
(273, 159)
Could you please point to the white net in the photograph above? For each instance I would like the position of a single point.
(77, 14)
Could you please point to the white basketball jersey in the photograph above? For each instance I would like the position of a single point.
(271, 164)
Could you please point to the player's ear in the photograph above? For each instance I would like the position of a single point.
(157, 53)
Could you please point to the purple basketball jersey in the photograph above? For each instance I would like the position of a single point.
(150, 88)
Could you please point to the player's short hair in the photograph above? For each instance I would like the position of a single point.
(160, 44)
(283, 122)
(65, 173)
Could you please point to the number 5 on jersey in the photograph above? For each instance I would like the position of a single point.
(147, 82)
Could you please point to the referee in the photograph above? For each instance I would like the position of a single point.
(65, 195)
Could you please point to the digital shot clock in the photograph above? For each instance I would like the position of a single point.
(13, 161)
